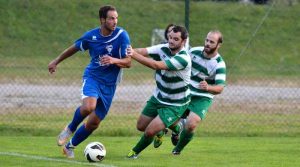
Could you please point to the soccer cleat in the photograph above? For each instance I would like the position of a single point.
(69, 152)
(175, 136)
(132, 155)
(64, 136)
(158, 139)
(175, 152)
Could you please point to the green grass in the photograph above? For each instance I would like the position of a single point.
(202, 151)
(228, 123)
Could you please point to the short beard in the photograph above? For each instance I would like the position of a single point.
(212, 50)
(173, 49)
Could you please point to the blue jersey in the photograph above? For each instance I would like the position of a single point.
(114, 45)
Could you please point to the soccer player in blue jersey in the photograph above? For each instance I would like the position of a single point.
(109, 49)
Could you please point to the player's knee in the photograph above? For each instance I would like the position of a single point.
(88, 108)
(191, 128)
(140, 128)
(192, 125)
(149, 133)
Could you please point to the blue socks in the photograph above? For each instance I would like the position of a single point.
(80, 135)
(77, 119)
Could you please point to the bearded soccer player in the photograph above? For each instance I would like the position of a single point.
(108, 50)
(208, 79)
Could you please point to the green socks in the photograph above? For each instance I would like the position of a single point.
(185, 138)
(175, 128)
(160, 133)
(142, 144)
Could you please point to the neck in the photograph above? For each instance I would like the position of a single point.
(176, 51)
(105, 32)
(211, 55)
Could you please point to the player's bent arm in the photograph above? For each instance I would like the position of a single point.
(215, 89)
(124, 63)
(156, 65)
(65, 54)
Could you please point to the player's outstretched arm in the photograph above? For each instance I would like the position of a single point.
(141, 51)
(139, 56)
(65, 54)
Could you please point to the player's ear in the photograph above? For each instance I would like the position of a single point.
(184, 42)
(102, 20)
(219, 45)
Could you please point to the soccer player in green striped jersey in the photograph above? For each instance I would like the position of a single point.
(172, 65)
(207, 80)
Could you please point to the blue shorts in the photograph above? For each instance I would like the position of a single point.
(103, 93)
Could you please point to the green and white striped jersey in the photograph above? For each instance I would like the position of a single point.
(172, 86)
(213, 70)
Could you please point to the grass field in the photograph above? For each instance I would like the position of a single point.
(232, 124)
(202, 151)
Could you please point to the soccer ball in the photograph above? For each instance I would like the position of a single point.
(94, 152)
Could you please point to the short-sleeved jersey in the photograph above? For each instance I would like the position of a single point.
(213, 70)
(114, 45)
(172, 85)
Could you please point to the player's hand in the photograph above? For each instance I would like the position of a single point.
(203, 85)
(129, 51)
(107, 60)
(52, 67)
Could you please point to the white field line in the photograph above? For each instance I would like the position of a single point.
(52, 159)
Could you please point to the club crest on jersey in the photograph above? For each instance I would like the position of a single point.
(109, 48)
(94, 38)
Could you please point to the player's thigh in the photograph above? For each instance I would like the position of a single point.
(88, 104)
(143, 122)
(89, 94)
(154, 127)
(193, 120)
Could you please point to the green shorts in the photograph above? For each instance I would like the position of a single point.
(200, 105)
(168, 114)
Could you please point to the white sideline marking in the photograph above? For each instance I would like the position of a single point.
(52, 159)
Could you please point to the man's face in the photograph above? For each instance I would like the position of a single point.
(211, 43)
(110, 23)
(175, 40)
